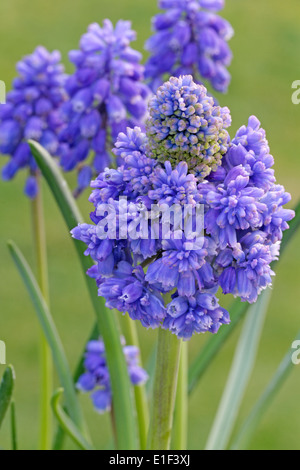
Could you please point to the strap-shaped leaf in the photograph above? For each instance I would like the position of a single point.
(6, 391)
(294, 224)
(247, 430)
(67, 424)
(58, 441)
(51, 334)
(106, 319)
(239, 375)
(215, 343)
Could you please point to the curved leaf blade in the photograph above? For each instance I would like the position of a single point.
(67, 424)
(294, 225)
(51, 334)
(247, 430)
(58, 440)
(106, 320)
(6, 391)
(239, 375)
(215, 343)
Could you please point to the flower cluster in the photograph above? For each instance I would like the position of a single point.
(32, 112)
(185, 124)
(245, 213)
(106, 94)
(96, 376)
(190, 38)
(164, 239)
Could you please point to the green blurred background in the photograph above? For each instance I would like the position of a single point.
(266, 61)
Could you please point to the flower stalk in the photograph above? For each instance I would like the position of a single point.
(45, 353)
(141, 402)
(180, 426)
(164, 392)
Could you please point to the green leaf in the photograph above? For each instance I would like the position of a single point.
(67, 424)
(237, 312)
(6, 391)
(51, 334)
(107, 321)
(244, 435)
(239, 375)
(215, 343)
(79, 370)
(150, 368)
(294, 225)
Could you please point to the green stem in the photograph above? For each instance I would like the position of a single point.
(164, 393)
(113, 427)
(179, 439)
(130, 332)
(45, 353)
(14, 440)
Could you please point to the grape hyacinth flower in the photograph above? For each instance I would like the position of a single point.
(158, 264)
(96, 377)
(31, 112)
(106, 95)
(190, 38)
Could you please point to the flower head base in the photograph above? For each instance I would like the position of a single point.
(185, 125)
(189, 38)
(31, 112)
(96, 378)
(106, 95)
